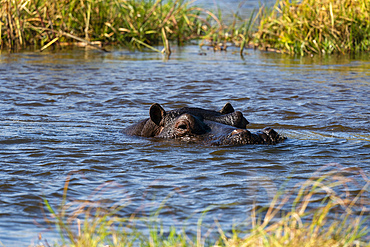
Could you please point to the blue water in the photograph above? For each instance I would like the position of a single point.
(61, 113)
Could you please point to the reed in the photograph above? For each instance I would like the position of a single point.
(134, 23)
(295, 27)
(318, 212)
(221, 34)
(315, 27)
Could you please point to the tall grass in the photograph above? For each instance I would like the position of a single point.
(133, 23)
(295, 27)
(316, 27)
(322, 211)
(130, 22)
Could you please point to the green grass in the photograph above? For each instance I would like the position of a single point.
(132, 23)
(321, 211)
(42, 23)
(295, 27)
(316, 27)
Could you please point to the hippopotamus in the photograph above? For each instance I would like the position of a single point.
(226, 127)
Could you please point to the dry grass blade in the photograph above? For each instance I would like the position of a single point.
(321, 213)
(49, 44)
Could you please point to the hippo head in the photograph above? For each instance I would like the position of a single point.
(226, 127)
(188, 125)
(174, 125)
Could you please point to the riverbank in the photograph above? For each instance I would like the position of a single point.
(130, 23)
(309, 27)
(316, 27)
(314, 212)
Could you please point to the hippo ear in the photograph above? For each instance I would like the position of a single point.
(157, 113)
(228, 108)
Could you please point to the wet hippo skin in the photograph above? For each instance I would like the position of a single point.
(224, 128)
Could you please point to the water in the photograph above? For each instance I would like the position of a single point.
(61, 114)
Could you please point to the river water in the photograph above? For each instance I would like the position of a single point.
(61, 113)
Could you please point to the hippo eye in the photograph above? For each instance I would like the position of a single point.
(182, 126)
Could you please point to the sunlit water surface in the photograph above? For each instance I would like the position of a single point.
(61, 114)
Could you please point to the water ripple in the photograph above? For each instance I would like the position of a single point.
(62, 113)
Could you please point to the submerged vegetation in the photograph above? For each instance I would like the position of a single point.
(295, 27)
(322, 211)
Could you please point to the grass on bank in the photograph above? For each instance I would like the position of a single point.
(322, 211)
(316, 27)
(134, 23)
(295, 27)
